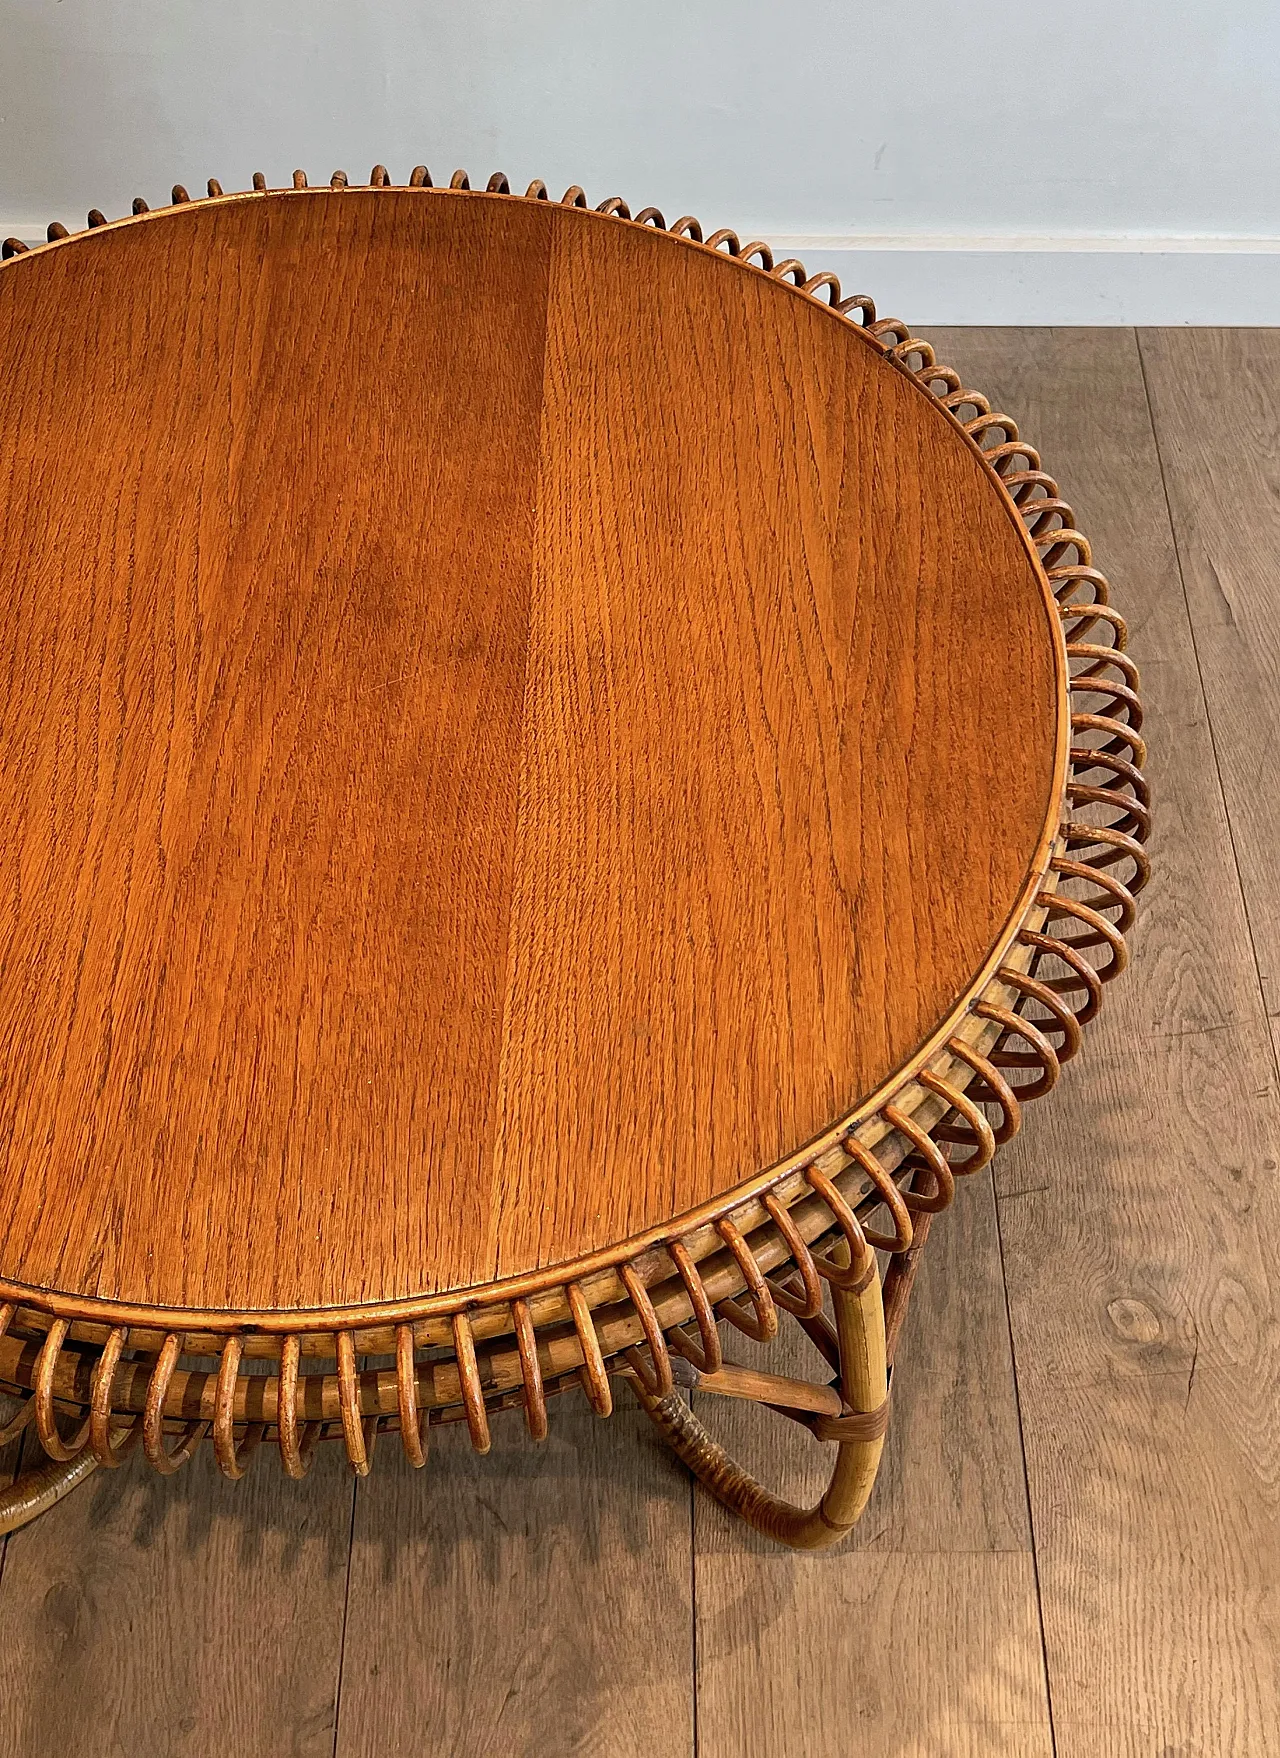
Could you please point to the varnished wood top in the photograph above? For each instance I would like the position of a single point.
(510, 724)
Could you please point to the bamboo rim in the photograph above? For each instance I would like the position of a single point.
(461, 1354)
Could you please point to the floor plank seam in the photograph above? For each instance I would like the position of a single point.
(1026, 1475)
(1204, 697)
(693, 1608)
(346, 1608)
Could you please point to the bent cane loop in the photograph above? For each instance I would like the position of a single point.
(859, 1433)
(35, 1492)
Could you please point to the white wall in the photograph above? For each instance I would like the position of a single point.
(1107, 160)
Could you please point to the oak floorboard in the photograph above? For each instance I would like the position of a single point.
(530, 1602)
(1139, 1211)
(920, 1635)
(147, 1617)
(1214, 402)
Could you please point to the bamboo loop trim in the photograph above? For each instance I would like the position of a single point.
(767, 1246)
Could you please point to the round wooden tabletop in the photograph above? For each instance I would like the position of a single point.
(512, 722)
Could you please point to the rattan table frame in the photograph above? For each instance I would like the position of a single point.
(98, 1380)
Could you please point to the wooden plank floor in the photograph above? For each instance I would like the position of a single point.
(1140, 1215)
(1074, 1548)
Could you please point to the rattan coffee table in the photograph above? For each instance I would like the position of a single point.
(561, 783)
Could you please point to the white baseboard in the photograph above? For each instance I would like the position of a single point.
(1032, 280)
(1228, 281)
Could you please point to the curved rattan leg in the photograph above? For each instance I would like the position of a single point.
(859, 1315)
(37, 1490)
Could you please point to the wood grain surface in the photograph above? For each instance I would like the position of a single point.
(165, 1618)
(509, 724)
(1213, 394)
(1140, 1215)
(537, 1600)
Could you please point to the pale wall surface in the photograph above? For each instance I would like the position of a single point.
(1046, 163)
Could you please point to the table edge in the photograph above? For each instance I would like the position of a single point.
(893, 343)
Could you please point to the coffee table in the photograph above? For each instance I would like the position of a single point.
(562, 783)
